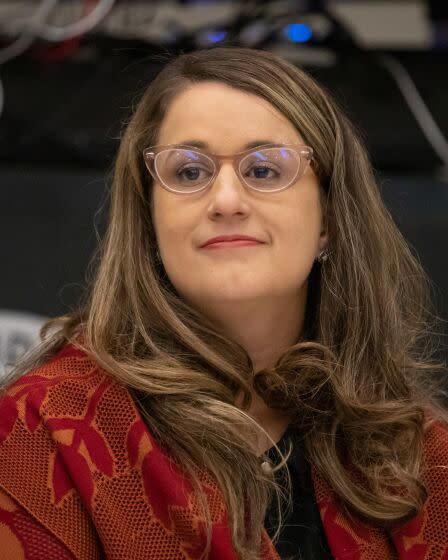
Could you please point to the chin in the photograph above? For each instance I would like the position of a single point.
(232, 295)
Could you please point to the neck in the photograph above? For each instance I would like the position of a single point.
(266, 330)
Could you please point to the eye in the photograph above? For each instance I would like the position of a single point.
(262, 171)
(191, 172)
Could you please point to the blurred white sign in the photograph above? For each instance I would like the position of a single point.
(19, 332)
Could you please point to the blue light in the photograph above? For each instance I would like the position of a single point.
(216, 36)
(298, 32)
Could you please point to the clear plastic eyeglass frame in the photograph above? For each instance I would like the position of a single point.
(304, 153)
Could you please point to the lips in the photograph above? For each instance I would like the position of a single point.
(229, 240)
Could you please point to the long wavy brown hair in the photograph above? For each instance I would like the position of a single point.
(361, 381)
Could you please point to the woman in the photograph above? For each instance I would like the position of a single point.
(147, 424)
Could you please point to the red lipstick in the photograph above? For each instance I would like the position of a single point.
(234, 240)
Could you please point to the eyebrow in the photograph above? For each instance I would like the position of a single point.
(253, 144)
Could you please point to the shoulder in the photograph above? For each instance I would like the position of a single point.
(55, 396)
(426, 534)
(435, 462)
(436, 442)
(69, 363)
(65, 380)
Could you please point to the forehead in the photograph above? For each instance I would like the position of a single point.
(219, 115)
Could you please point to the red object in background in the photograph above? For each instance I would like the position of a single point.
(50, 53)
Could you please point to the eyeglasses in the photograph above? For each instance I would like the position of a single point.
(267, 168)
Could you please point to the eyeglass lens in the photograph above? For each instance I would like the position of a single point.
(186, 170)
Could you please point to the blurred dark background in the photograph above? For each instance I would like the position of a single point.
(71, 71)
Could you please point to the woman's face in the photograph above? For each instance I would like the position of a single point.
(288, 222)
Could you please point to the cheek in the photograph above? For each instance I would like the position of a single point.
(298, 236)
(166, 219)
(302, 220)
(173, 226)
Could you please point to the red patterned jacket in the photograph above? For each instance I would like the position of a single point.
(82, 478)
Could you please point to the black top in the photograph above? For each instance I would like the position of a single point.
(302, 536)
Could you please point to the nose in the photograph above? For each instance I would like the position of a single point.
(227, 194)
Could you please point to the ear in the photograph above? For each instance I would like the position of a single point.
(323, 240)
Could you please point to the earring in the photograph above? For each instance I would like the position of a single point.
(266, 465)
(323, 256)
